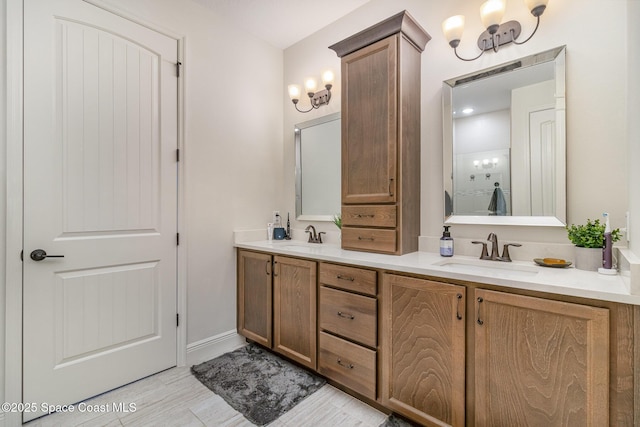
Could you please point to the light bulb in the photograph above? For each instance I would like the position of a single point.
(452, 28)
(310, 86)
(536, 7)
(294, 92)
(491, 13)
(327, 78)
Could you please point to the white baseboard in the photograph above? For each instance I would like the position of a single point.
(212, 347)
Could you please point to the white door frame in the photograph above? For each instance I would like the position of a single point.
(14, 225)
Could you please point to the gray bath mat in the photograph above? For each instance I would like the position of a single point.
(393, 421)
(257, 383)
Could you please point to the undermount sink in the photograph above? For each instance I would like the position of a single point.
(496, 268)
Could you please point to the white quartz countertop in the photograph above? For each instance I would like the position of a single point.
(517, 274)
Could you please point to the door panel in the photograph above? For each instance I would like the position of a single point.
(100, 188)
(369, 129)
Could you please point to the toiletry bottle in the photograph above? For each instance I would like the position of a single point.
(607, 250)
(446, 243)
(270, 231)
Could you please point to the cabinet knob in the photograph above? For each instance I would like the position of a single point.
(346, 315)
(345, 365)
(480, 321)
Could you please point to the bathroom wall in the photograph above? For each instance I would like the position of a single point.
(633, 125)
(597, 86)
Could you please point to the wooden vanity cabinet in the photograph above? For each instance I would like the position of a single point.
(255, 302)
(423, 349)
(444, 353)
(277, 304)
(539, 362)
(348, 318)
(294, 309)
(380, 74)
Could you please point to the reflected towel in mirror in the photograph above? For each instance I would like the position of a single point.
(498, 204)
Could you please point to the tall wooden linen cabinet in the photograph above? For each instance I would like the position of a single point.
(381, 136)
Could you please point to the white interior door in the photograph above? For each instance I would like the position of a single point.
(100, 188)
(542, 140)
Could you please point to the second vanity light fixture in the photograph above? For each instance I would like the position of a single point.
(496, 34)
(316, 99)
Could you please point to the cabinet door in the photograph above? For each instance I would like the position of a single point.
(254, 296)
(369, 123)
(423, 350)
(294, 309)
(540, 362)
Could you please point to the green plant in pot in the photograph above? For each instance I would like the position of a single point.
(589, 240)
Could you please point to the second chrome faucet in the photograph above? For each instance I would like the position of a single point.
(493, 238)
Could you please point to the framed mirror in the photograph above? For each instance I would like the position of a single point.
(504, 136)
(318, 173)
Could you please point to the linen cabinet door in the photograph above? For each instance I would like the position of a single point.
(540, 362)
(294, 309)
(255, 296)
(423, 349)
(369, 123)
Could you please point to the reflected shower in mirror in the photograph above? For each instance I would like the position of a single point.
(504, 143)
(318, 146)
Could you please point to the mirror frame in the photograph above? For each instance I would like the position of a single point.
(559, 56)
(298, 171)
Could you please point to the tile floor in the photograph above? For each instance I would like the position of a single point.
(175, 398)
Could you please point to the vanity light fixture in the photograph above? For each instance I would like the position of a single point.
(316, 99)
(496, 34)
(486, 163)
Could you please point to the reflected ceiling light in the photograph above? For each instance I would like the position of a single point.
(497, 33)
(468, 110)
(315, 98)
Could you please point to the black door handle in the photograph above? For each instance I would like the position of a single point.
(40, 254)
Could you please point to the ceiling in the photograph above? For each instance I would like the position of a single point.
(282, 23)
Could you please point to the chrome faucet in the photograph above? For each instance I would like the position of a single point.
(313, 236)
(493, 238)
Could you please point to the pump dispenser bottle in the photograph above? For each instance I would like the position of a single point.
(607, 249)
(446, 243)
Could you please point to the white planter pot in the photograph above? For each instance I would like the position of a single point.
(588, 258)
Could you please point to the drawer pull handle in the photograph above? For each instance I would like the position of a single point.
(341, 277)
(480, 321)
(345, 365)
(366, 238)
(458, 315)
(346, 315)
(364, 216)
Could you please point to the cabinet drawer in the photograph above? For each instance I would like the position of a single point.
(349, 315)
(349, 278)
(369, 239)
(349, 364)
(371, 216)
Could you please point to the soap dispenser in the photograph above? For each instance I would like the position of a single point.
(446, 243)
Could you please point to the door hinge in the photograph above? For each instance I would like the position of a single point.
(177, 154)
(177, 319)
(177, 239)
(22, 255)
(178, 64)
